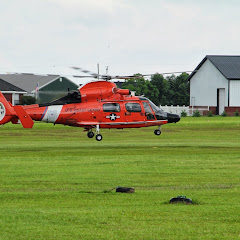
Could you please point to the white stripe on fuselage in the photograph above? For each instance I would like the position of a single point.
(52, 113)
(120, 123)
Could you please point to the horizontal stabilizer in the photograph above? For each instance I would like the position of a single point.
(25, 119)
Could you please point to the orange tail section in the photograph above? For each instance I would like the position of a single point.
(6, 111)
(9, 113)
(25, 119)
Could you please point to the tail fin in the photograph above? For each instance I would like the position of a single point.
(9, 112)
(25, 119)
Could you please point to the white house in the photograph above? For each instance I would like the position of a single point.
(215, 83)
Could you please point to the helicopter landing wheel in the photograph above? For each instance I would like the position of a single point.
(90, 134)
(98, 137)
(157, 132)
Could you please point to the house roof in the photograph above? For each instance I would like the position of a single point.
(228, 65)
(28, 81)
(5, 86)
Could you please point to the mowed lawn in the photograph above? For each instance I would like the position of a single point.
(54, 182)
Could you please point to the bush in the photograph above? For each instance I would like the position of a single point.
(28, 100)
(236, 114)
(210, 114)
(183, 113)
(224, 114)
(196, 114)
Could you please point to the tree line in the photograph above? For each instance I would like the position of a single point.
(170, 90)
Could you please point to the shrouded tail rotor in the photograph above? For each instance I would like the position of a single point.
(9, 113)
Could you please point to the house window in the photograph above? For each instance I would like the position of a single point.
(111, 107)
(15, 99)
(133, 107)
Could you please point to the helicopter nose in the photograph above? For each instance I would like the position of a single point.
(173, 118)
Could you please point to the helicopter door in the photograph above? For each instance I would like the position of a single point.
(112, 112)
(148, 111)
(134, 112)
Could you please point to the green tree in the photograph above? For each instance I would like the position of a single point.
(162, 85)
(142, 87)
(179, 88)
(171, 90)
(27, 100)
(182, 89)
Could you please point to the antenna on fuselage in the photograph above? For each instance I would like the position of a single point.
(98, 70)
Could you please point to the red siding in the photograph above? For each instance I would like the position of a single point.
(205, 112)
(213, 109)
(8, 96)
(231, 110)
(20, 98)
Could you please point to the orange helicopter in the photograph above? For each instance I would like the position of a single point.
(98, 104)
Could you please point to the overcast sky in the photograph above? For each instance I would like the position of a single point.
(129, 36)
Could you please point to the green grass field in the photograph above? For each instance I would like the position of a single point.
(53, 182)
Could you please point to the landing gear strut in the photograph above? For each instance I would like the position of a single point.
(91, 134)
(98, 135)
(158, 131)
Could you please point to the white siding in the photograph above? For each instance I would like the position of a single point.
(234, 98)
(204, 85)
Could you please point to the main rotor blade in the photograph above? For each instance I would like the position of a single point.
(103, 77)
(108, 77)
(79, 76)
(95, 75)
(126, 77)
(146, 75)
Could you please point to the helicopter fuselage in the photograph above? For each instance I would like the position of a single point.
(96, 105)
(131, 112)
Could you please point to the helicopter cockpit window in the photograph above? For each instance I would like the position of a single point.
(148, 111)
(111, 107)
(133, 107)
(147, 108)
(154, 107)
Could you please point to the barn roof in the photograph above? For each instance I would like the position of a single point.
(28, 81)
(5, 86)
(228, 65)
